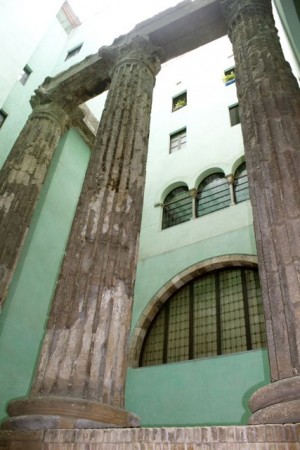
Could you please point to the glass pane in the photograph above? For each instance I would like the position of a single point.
(177, 141)
(177, 207)
(256, 314)
(241, 187)
(179, 324)
(233, 332)
(213, 194)
(153, 349)
(205, 323)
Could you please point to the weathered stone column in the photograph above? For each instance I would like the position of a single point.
(270, 117)
(80, 379)
(22, 177)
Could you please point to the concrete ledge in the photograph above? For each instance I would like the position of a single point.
(259, 437)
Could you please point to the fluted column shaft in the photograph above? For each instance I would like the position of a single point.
(84, 355)
(21, 180)
(270, 118)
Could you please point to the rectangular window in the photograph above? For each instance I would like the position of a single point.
(234, 113)
(25, 75)
(3, 116)
(179, 101)
(73, 51)
(178, 140)
(229, 76)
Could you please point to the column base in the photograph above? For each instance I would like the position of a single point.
(278, 402)
(42, 413)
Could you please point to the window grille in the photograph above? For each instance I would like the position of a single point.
(177, 207)
(213, 194)
(178, 140)
(216, 314)
(240, 185)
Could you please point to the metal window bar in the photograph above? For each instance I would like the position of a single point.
(177, 208)
(217, 314)
(213, 194)
(241, 185)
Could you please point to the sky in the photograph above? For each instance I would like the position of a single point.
(122, 15)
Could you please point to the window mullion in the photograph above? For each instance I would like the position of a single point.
(246, 310)
(166, 333)
(218, 314)
(191, 321)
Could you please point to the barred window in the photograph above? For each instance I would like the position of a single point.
(216, 314)
(240, 185)
(177, 207)
(213, 194)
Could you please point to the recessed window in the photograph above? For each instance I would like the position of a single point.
(73, 51)
(25, 75)
(178, 140)
(234, 113)
(3, 116)
(213, 194)
(240, 184)
(229, 76)
(177, 207)
(179, 101)
(216, 314)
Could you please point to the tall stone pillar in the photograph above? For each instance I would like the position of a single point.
(270, 117)
(22, 177)
(80, 379)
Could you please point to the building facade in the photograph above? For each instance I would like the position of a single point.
(198, 340)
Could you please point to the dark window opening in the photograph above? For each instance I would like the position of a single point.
(178, 140)
(73, 51)
(213, 194)
(3, 117)
(234, 113)
(25, 75)
(216, 314)
(240, 185)
(177, 207)
(179, 101)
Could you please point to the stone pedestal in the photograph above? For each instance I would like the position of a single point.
(22, 177)
(269, 101)
(80, 379)
(260, 437)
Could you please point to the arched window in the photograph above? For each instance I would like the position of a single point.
(215, 314)
(213, 194)
(240, 185)
(177, 207)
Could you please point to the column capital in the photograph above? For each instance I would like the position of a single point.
(44, 106)
(235, 10)
(134, 49)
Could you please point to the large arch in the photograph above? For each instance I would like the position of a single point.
(172, 286)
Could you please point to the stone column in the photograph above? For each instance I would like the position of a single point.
(22, 177)
(270, 117)
(80, 379)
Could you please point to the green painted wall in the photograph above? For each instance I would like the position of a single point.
(211, 391)
(24, 315)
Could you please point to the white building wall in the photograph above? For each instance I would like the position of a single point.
(22, 26)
